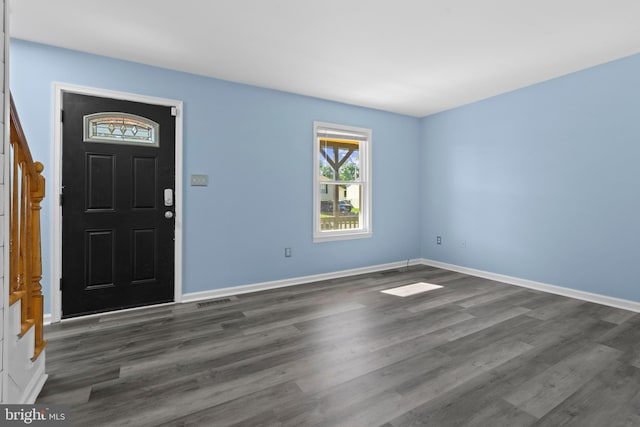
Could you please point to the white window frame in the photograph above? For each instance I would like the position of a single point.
(365, 180)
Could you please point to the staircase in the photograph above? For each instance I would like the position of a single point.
(24, 342)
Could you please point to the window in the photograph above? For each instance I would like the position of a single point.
(342, 182)
(120, 128)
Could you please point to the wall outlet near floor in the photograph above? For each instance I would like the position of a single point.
(438, 240)
(287, 252)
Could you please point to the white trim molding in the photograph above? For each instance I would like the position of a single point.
(256, 287)
(6, 197)
(294, 281)
(303, 280)
(56, 232)
(539, 286)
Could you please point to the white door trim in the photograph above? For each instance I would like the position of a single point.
(54, 197)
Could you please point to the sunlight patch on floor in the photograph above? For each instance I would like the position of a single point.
(416, 288)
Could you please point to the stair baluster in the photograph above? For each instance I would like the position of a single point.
(25, 259)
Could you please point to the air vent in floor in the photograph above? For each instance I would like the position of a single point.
(213, 302)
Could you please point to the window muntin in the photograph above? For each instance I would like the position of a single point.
(121, 128)
(342, 202)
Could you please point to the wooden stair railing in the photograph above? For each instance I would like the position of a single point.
(25, 258)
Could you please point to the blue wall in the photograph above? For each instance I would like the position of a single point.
(542, 183)
(256, 146)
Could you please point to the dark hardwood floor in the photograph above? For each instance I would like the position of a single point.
(340, 353)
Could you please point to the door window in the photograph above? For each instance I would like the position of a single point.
(120, 128)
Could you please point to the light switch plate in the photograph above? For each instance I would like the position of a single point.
(199, 180)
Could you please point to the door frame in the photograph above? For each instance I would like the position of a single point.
(56, 209)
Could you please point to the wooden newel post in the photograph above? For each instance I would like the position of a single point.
(37, 300)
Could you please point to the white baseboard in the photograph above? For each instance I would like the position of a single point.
(511, 280)
(244, 289)
(558, 290)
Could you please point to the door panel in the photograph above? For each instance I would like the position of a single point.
(144, 190)
(100, 178)
(118, 246)
(99, 248)
(144, 255)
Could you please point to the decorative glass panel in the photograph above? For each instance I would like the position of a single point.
(121, 128)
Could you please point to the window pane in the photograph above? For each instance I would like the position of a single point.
(326, 170)
(340, 206)
(350, 169)
(340, 159)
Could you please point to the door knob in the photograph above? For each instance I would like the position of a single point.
(168, 214)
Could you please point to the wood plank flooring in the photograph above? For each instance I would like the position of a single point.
(340, 353)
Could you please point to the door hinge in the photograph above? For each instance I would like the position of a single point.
(60, 283)
(61, 116)
(61, 199)
(174, 111)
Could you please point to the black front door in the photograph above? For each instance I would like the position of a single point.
(118, 179)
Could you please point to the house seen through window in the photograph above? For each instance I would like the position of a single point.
(342, 196)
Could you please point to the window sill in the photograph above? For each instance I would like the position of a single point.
(331, 237)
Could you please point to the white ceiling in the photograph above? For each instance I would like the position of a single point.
(413, 57)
